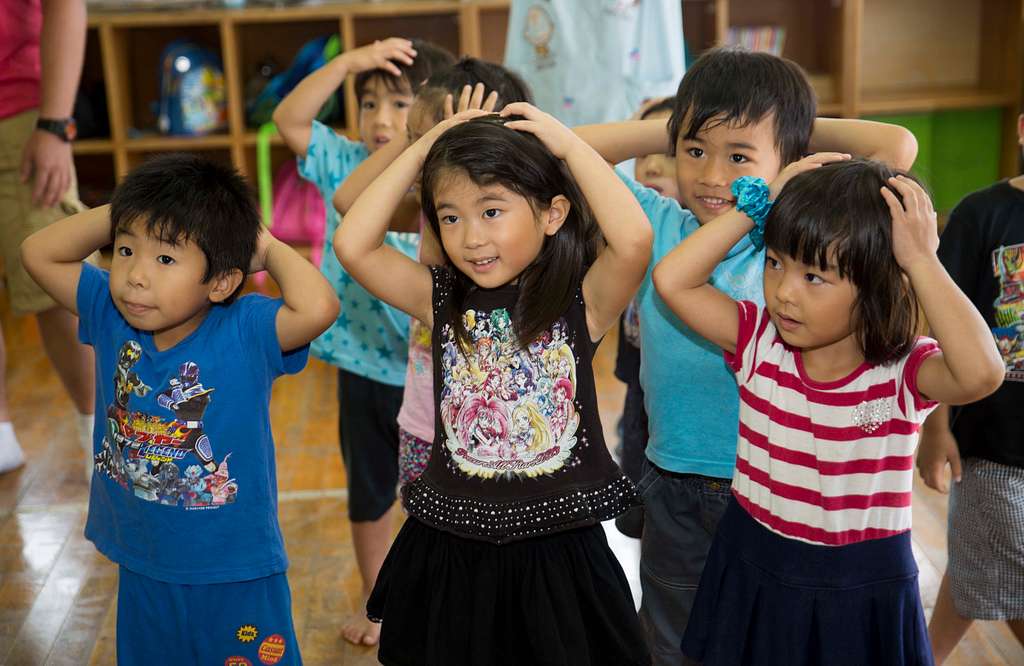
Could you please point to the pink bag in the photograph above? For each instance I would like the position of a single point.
(298, 215)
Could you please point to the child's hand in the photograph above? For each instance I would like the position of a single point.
(380, 55)
(938, 447)
(558, 138)
(263, 243)
(471, 98)
(428, 139)
(813, 161)
(915, 230)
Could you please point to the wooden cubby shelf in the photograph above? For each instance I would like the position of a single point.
(863, 57)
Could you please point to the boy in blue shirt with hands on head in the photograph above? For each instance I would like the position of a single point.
(185, 495)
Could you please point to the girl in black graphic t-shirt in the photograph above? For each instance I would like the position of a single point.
(502, 559)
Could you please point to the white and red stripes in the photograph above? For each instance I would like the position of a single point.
(828, 463)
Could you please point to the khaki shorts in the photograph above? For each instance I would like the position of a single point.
(19, 219)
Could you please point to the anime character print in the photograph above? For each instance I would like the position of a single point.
(142, 451)
(508, 412)
(1008, 268)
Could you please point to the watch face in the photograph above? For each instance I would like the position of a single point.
(70, 130)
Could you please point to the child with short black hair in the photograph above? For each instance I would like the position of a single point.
(185, 498)
(982, 247)
(812, 561)
(756, 114)
(369, 341)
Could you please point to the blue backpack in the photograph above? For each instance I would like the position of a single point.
(311, 57)
(192, 92)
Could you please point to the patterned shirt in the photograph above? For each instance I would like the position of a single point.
(519, 451)
(369, 338)
(829, 463)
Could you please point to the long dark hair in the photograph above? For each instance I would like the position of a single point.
(836, 215)
(488, 153)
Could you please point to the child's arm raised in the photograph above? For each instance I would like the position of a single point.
(681, 278)
(295, 114)
(884, 142)
(53, 256)
(969, 367)
(309, 301)
(617, 142)
(615, 276)
(359, 241)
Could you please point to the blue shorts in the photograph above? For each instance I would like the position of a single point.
(234, 624)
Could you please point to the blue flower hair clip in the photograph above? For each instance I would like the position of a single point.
(753, 199)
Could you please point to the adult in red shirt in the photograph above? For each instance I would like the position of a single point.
(42, 44)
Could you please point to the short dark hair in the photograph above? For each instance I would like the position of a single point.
(429, 58)
(470, 71)
(836, 215)
(667, 104)
(489, 153)
(182, 197)
(733, 85)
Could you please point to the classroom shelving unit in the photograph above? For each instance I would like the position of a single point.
(899, 59)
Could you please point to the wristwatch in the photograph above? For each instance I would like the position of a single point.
(65, 128)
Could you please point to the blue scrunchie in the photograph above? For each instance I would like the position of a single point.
(753, 199)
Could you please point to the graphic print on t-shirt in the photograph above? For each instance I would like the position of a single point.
(1008, 267)
(508, 412)
(142, 451)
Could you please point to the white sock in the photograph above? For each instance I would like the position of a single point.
(11, 455)
(85, 425)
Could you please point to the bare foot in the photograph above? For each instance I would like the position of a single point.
(358, 630)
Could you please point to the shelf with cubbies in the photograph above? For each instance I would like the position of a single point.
(864, 57)
(123, 50)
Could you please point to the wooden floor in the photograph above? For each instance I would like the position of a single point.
(57, 595)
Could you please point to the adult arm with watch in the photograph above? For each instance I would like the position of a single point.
(46, 156)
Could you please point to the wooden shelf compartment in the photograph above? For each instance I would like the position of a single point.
(812, 30)
(159, 142)
(96, 177)
(278, 43)
(137, 58)
(964, 53)
(932, 98)
(493, 27)
(221, 155)
(440, 27)
(92, 147)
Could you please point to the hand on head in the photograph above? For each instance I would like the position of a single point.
(915, 231)
(558, 138)
(812, 161)
(471, 98)
(381, 55)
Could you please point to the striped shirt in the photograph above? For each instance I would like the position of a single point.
(824, 462)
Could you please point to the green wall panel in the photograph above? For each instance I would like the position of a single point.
(958, 151)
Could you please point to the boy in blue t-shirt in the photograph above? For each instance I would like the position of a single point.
(736, 113)
(369, 341)
(185, 494)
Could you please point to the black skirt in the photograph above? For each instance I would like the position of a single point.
(764, 599)
(553, 600)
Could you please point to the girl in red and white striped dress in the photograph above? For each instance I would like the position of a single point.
(812, 562)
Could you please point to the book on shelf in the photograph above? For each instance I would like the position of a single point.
(766, 38)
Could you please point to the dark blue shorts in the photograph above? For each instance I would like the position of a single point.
(230, 624)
